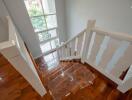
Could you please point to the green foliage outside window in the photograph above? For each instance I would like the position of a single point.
(44, 36)
(35, 10)
(38, 23)
(38, 19)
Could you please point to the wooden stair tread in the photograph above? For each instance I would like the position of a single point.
(14, 86)
(3, 61)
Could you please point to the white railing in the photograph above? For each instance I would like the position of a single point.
(108, 52)
(127, 82)
(15, 52)
(73, 48)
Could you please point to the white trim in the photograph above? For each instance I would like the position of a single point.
(120, 36)
(129, 74)
(108, 75)
(72, 38)
(6, 44)
(42, 15)
(45, 41)
(16, 53)
(47, 30)
(50, 51)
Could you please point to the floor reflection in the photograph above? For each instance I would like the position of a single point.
(51, 60)
(64, 78)
(70, 80)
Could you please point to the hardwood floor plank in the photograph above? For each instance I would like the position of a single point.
(14, 87)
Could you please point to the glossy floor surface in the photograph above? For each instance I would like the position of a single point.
(70, 80)
(58, 78)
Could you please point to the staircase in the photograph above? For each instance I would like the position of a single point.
(107, 52)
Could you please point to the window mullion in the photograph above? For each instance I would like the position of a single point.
(36, 16)
(50, 14)
(47, 30)
(45, 41)
(44, 14)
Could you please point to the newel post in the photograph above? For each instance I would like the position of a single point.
(88, 35)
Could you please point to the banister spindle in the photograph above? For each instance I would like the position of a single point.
(76, 49)
(90, 26)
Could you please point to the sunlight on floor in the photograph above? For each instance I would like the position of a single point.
(51, 60)
(70, 80)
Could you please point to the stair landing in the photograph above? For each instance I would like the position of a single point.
(69, 81)
(72, 80)
(14, 87)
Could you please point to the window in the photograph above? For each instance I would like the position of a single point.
(52, 44)
(43, 18)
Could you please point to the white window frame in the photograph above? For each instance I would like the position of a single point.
(47, 29)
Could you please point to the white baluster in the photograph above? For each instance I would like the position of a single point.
(96, 46)
(124, 62)
(80, 44)
(90, 26)
(108, 51)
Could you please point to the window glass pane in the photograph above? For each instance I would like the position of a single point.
(44, 36)
(51, 21)
(53, 33)
(45, 47)
(57, 42)
(48, 57)
(34, 7)
(55, 54)
(43, 18)
(49, 6)
(40, 35)
(52, 64)
(47, 35)
(53, 44)
(38, 23)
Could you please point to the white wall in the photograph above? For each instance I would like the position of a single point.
(17, 11)
(3, 11)
(3, 23)
(19, 15)
(113, 15)
(3, 31)
(60, 12)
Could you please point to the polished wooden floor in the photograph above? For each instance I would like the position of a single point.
(14, 87)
